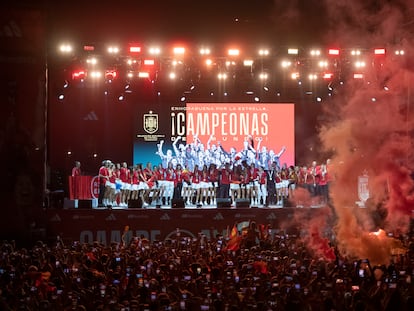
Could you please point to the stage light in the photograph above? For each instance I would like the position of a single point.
(312, 76)
(209, 62)
(355, 52)
(135, 49)
(358, 76)
(266, 88)
(333, 51)
(248, 62)
(131, 62)
(323, 64)
(95, 74)
(95, 155)
(360, 64)
(399, 52)
(65, 48)
(61, 96)
(182, 99)
(373, 99)
(154, 50)
(121, 97)
(113, 50)
(263, 76)
(286, 63)
(318, 99)
(89, 48)
(69, 153)
(172, 75)
(294, 75)
(293, 51)
(222, 76)
(315, 52)
(263, 52)
(204, 51)
(256, 99)
(66, 84)
(178, 50)
(143, 74)
(327, 76)
(92, 61)
(110, 74)
(233, 52)
(149, 62)
(79, 75)
(130, 74)
(380, 51)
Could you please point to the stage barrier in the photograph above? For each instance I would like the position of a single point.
(106, 225)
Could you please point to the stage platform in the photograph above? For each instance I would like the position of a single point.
(106, 225)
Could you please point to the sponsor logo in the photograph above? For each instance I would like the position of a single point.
(165, 217)
(150, 122)
(110, 218)
(218, 217)
(271, 216)
(56, 218)
(132, 216)
(95, 187)
(245, 216)
(91, 116)
(191, 216)
(78, 217)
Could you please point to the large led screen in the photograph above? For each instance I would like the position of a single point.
(232, 127)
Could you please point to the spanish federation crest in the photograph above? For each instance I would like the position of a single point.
(150, 122)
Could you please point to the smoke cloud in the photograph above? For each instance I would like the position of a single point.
(370, 128)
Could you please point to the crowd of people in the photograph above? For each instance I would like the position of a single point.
(199, 175)
(265, 270)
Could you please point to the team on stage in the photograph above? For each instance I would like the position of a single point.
(201, 174)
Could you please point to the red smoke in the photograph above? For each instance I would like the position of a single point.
(371, 127)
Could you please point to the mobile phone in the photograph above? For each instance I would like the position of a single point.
(153, 296)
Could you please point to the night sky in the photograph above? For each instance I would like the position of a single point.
(206, 21)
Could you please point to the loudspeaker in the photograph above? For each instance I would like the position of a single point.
(85, 204)
(242, 203)
(177, 203)
(135, 203)
(223, 202)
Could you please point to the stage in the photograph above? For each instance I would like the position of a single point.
(106, 225)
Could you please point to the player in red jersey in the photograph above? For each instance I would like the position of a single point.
(133, 195)
(195, 184)
(187, 192)
(213, 175)
(235, 191)
(262, 180)
(125, 177)
(253, 184)
(224, 187)
(169, 182)
(204, 185)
